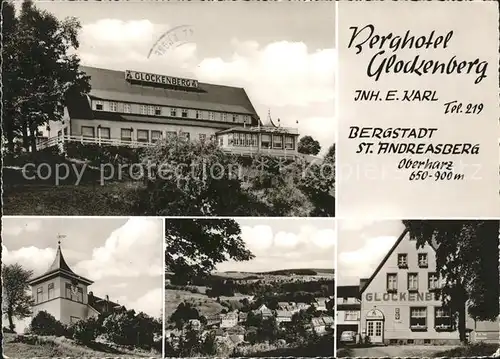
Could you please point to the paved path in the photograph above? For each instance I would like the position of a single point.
(400, 351)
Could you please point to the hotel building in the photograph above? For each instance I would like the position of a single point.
(137, 109)
(64, 294)
(399, 306)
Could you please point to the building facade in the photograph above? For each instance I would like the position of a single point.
(348, 310)
(137, 109)
(399, 304)
(64, 294)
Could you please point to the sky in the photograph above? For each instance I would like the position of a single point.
(285, 243)
(282, 53)
(124, 257)
(362, 244)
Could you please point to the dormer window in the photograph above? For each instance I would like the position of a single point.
(113, 107)
(98, 105)
(422, 260)
(403, 260)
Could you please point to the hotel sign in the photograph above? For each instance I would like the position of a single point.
(401, 297)
(160, 79)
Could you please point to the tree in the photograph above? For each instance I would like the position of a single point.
(467, 262)
(41, 72)
(189, 178)
(195, 246)
(183, 313)
(308, 146)
(16, 300)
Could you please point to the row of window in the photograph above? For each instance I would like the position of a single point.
(143, 135)
(422, 260)
(73, 293)
(267, 141)
(170, 112)
(392, 282)
(418, 317)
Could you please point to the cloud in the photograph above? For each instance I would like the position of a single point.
(309, 248)
(133, 250)
(296, 83)
(360, 263)
(36, 259)
(14, 229)
(150, 303)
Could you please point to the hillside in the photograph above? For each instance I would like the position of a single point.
(29, 346)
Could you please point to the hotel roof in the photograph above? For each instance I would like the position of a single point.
(111, 85)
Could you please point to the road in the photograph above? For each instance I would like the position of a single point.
(400, 351)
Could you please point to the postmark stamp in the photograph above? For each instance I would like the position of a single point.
(172, 39)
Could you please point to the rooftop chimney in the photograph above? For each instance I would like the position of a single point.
(107, 298)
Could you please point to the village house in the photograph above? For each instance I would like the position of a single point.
(242, 317)
(321, 324)
(320, 304)
(213, 320)
(64, 294)
(264, 311)
(283, 316)
(229, 320)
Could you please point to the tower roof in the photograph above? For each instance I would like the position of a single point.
(59, 262)
(59, 268)
(269, 121)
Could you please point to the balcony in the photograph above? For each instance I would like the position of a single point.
(59, 141)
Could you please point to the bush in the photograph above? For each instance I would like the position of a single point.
(85, 331)
(46, 324)
(126, 328)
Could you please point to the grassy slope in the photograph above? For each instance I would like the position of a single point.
(205, 305)
(15, 346)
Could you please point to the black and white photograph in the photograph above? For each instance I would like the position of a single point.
(169, 108)
(82, 287)
(249, 287)
(415, 288)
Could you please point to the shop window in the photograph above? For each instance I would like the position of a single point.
(418, 318)
(392, 282)
(422, 260)
(413, 282)
(126, 134)
(142, 135)
(403, 260)
(443, 319)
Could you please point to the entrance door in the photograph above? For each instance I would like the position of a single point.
(374, 330)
